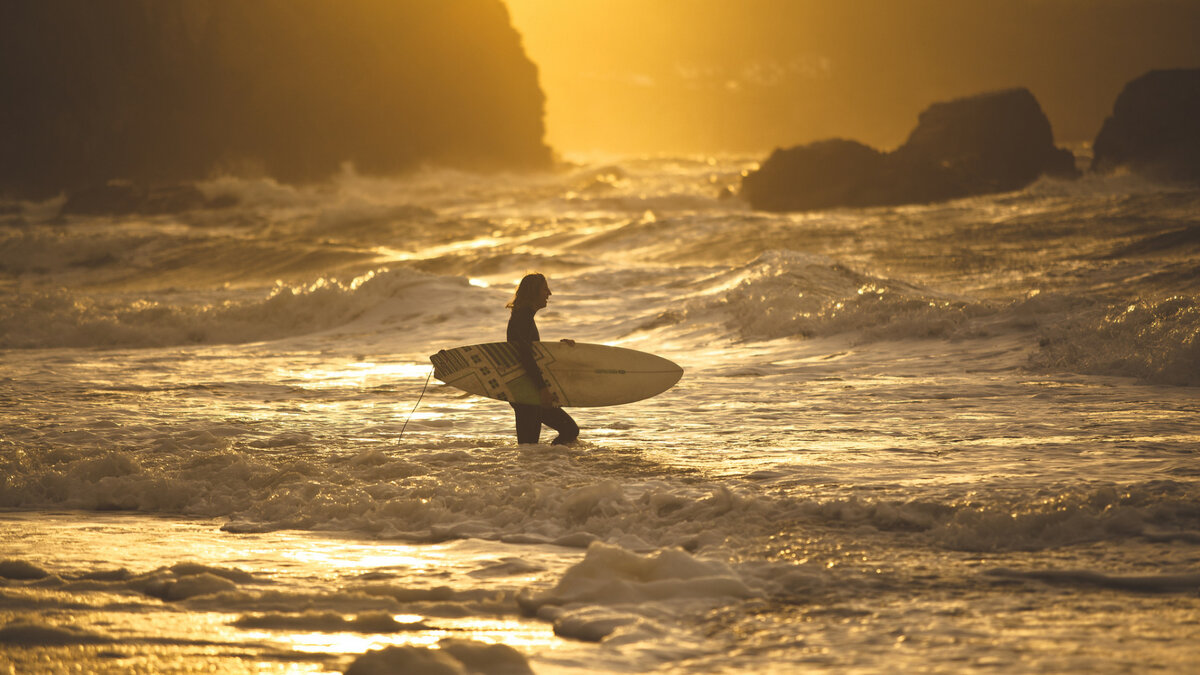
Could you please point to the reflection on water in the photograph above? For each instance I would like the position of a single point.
(94, 562)
(926, 438)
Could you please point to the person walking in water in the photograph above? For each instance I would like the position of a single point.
(532, 294)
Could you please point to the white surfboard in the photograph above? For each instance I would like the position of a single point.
(579, 375)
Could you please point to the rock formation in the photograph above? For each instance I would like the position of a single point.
(1155, 127)
(989, 143)
(161, 92)
(122, 198)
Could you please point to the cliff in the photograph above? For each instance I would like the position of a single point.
(156, 92)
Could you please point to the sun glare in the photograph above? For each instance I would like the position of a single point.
(356, 374)
(664, 76)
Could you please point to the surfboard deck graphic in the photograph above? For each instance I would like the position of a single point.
(580, 375)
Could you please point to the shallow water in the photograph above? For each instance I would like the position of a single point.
(953, 438)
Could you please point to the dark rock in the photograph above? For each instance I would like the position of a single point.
(120, 198)
(993, 142)
(115, 198)
(818, 175)
(171, 92)
(1155, 127)
(989, 143)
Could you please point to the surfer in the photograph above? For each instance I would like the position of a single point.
(532, 294)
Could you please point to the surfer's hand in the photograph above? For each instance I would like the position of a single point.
(549, 400)
(568, 341)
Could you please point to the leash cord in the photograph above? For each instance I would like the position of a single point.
(427, 378)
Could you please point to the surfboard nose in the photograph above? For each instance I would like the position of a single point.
(446, 364)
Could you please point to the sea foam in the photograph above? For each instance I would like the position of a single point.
(1155, 340)
(64, 318)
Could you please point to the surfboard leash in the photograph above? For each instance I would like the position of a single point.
(414, 410)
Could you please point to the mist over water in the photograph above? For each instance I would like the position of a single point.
(956, 437)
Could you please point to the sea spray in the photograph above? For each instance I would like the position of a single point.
(908, 439)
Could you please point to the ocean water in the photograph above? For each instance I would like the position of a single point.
(958, 438)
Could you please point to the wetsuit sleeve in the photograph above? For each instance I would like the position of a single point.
(521, 334)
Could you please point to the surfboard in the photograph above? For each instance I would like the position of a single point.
(580, 375)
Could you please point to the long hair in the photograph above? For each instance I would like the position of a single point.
(527, 291)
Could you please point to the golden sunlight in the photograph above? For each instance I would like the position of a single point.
(658, 76)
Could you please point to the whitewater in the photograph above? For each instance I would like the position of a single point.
(958, 437)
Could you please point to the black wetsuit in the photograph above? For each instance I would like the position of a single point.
(522, 332)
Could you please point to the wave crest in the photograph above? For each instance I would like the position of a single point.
(63, 318)
(792, 294)
(1157, 341)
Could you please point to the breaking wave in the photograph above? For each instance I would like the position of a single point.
(792, 294)
(546, 495)
(64, 318)
(1156, 341)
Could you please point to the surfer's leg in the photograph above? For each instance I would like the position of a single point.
(558, 420)
(529, 422)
